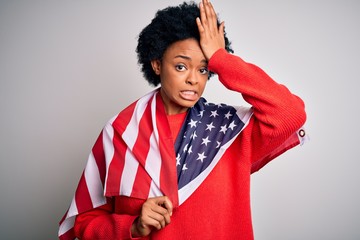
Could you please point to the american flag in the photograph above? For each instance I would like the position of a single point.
(135, 156)
(208, 131)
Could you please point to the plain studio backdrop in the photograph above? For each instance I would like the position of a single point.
(66, 67)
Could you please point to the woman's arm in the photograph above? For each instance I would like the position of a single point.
(277, 112)
(124, 218)
(103, 223)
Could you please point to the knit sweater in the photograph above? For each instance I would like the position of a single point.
(220, 206)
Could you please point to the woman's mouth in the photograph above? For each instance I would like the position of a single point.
(189, 95)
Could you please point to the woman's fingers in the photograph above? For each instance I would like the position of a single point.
(210, 16)
(155, 213)
(203, 17)
(160, 217)
(211, 35)
(222, 30)
(167, 204)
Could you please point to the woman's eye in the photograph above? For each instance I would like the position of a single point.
(180, 67)
(204, 71)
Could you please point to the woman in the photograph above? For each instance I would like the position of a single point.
(171, 165)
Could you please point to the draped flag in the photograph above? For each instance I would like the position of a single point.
(135, 155)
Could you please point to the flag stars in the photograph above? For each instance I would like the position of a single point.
(193, 135)
(178, 160)
(210, 126)
(223, 129)
(201, 113)
(190, 150)
(185, 148)
(207, 131)
(205, 141)
(228, 115)
(232, 125)
(201, 156)
(192, 123)
(214, 114)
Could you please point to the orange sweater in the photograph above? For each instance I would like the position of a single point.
(220, 207)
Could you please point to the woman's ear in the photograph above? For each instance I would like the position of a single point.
(156, 65)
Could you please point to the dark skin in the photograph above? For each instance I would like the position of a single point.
(156, 212)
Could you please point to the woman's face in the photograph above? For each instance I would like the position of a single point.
(183, 75)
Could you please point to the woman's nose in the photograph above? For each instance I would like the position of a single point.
(192, 78)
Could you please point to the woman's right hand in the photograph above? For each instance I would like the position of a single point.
(212, 37)
(155, 213)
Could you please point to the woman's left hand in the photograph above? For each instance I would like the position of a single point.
(211, 36)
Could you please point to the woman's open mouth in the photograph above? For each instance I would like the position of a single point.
(189, 95)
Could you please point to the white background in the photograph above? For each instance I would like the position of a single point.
(66, 67)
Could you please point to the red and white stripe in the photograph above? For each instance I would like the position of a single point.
(125, 160)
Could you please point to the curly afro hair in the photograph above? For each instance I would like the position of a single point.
(169, 25)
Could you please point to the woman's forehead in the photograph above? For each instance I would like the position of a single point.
(188, 48)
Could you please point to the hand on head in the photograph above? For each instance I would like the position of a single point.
(211, 35)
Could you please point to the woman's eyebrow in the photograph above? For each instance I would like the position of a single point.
(189, 58)
(183, 56)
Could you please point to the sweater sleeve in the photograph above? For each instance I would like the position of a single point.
(103, 223)
(278, 113)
